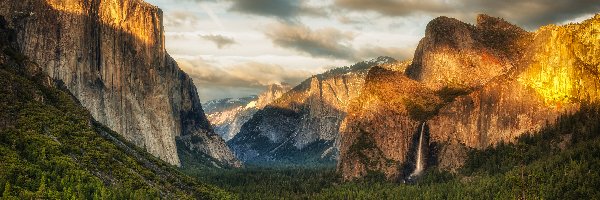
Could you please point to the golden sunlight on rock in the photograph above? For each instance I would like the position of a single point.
(565, 66)
(136, 18)
(69, 6)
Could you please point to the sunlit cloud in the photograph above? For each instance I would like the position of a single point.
(290, 40)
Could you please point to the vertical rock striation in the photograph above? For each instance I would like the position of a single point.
(111, 55)
(389, 112)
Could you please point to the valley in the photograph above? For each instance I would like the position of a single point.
(100, 100)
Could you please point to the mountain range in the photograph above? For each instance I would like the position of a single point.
(228, 115)
(301, 127)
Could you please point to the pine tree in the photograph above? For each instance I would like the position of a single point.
(6, 193)
(41, 193)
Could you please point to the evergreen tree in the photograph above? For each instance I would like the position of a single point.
(6, 194)
(41, 193)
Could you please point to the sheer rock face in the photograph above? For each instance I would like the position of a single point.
(111, 56)
(452, 49)
(229, 115)
(302, 126)
(544, 74)
(382, 114)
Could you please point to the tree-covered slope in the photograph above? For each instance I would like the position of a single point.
(51, 148)
(558, 162)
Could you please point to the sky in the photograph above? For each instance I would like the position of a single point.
(235, 48)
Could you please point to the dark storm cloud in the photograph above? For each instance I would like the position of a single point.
(287, 10)
(535, 13)
(327, 43)
(530, 14)
(282, 9)
(219, 40)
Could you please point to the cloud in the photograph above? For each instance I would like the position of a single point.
(327, 43)
(530, 14)
(391, 7)
(237, 79)
(180, 18)
(286, 10)
(219, 40)
(283, 9)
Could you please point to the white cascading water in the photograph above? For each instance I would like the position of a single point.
(419, 166)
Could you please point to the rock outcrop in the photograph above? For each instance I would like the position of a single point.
(451, 49)
(228, 115)
(111, 56)
(301, 127)
(382, 122)
(479, 86)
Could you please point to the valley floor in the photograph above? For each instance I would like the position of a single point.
(540, 166)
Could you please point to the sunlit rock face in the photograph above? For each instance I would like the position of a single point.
(111, 56)
(381, 123)
(228, 115)
(544, 74)
(301, 127)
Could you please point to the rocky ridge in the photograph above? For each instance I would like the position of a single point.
(301, 127)
(228, 115)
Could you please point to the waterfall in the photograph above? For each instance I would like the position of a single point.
(419, 165)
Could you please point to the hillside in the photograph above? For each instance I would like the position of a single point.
(52, 148)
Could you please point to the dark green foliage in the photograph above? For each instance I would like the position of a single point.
(272, 183)
(535, 167)
(559, 162)
(448, 94)
(422, 109)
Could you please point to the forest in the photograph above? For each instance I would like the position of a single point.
(558, 162)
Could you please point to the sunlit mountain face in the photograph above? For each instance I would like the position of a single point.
(315, 99)
(243, 46)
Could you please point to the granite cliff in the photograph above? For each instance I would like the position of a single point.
(301, 127)
(47, 136)
(228, 115)
(111, 56)
(469, 86)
